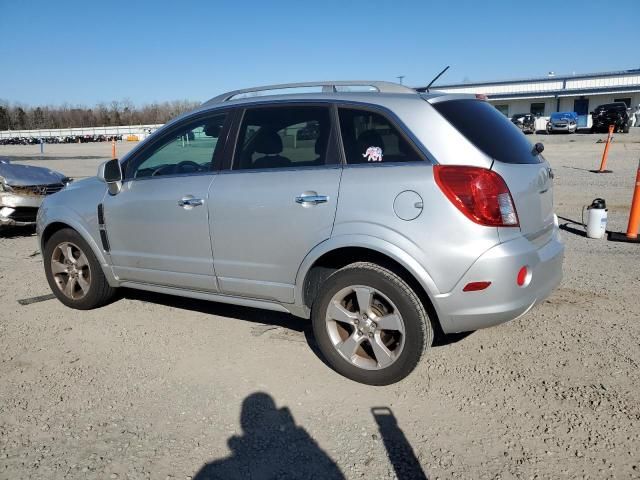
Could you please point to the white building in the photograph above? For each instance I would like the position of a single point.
(555, 93)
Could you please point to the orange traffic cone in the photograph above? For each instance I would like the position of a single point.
(605, 154)
(634, 217)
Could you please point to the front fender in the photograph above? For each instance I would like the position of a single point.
(86, 227)
(372, 243)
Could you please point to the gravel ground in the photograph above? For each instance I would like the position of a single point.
(154, 386)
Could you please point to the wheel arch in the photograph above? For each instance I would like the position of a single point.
(332, 255)
(49, 230)
(57, 225)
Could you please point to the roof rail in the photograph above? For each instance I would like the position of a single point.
(379, 86)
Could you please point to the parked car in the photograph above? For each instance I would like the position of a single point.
(378, 230)
(563, 122)
(525, 122)
(67, 139)
(22, 190)
(308, 132)
(611, 114)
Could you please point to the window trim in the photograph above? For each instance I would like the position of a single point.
(395, 122)
(152, 146)
(241, 111)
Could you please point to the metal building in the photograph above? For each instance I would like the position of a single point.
(579, 93)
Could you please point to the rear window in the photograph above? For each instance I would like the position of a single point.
(488, 130)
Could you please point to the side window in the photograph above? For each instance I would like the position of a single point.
(537, 109)
(369, 137)
(186, 151)
(283, 137)
(626, 100)
(503, 109)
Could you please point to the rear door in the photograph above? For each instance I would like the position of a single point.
(527, 174)
(277, 201)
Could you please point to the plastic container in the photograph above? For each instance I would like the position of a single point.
(597, 218)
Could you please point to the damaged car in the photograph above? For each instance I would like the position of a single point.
(22, 190)
(525, 122)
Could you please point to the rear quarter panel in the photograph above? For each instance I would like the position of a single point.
(441, 239)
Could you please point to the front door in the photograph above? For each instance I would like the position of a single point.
(158, 224)
(277, 202)
(581, 107)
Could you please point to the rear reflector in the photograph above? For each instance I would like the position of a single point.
(479, 193)
(475, 286)
(522, 276)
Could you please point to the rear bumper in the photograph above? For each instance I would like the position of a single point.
(503, 300)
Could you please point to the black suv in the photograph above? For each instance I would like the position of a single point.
(611, 114)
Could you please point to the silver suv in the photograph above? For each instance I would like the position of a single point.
(381, 213)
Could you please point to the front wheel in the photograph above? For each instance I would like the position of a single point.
(370, 325)
(73, 272)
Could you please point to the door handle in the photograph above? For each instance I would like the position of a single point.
(188, 202)
(311, 199)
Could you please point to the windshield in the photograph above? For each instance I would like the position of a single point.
(489, 130)
(563, 116)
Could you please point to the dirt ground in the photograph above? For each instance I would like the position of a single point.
(153, 386)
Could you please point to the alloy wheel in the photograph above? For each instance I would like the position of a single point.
(365, 327)
(71, 271)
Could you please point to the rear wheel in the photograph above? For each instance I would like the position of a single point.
(370, 325)
(73, 272)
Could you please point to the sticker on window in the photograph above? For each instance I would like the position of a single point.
(373, 154)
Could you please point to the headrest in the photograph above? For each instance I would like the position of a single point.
(370, 138)
(212, 129)
(268, 142)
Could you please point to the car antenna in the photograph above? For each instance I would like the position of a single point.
(437, 77)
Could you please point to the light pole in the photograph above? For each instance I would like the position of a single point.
(400, 77)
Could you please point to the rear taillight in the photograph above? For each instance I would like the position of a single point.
(479, 193)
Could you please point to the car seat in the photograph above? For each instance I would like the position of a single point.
(269, 143)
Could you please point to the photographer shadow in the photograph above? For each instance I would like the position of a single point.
(271, 446)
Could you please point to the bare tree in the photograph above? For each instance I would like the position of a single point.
(115, 113)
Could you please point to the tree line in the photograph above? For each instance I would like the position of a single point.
(113, 114)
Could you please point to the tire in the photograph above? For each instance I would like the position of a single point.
(390, 301)
(85, 287)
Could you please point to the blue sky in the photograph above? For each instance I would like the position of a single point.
(86, 52)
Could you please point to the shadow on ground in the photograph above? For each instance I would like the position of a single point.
(14, 232)
(573, 226)
(273, 446)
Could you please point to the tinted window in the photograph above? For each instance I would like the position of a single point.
(370, 137)
(488, 130)
(283, 137)
(186, 151)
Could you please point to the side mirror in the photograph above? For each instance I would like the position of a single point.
(110, 172)
(538, 148)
